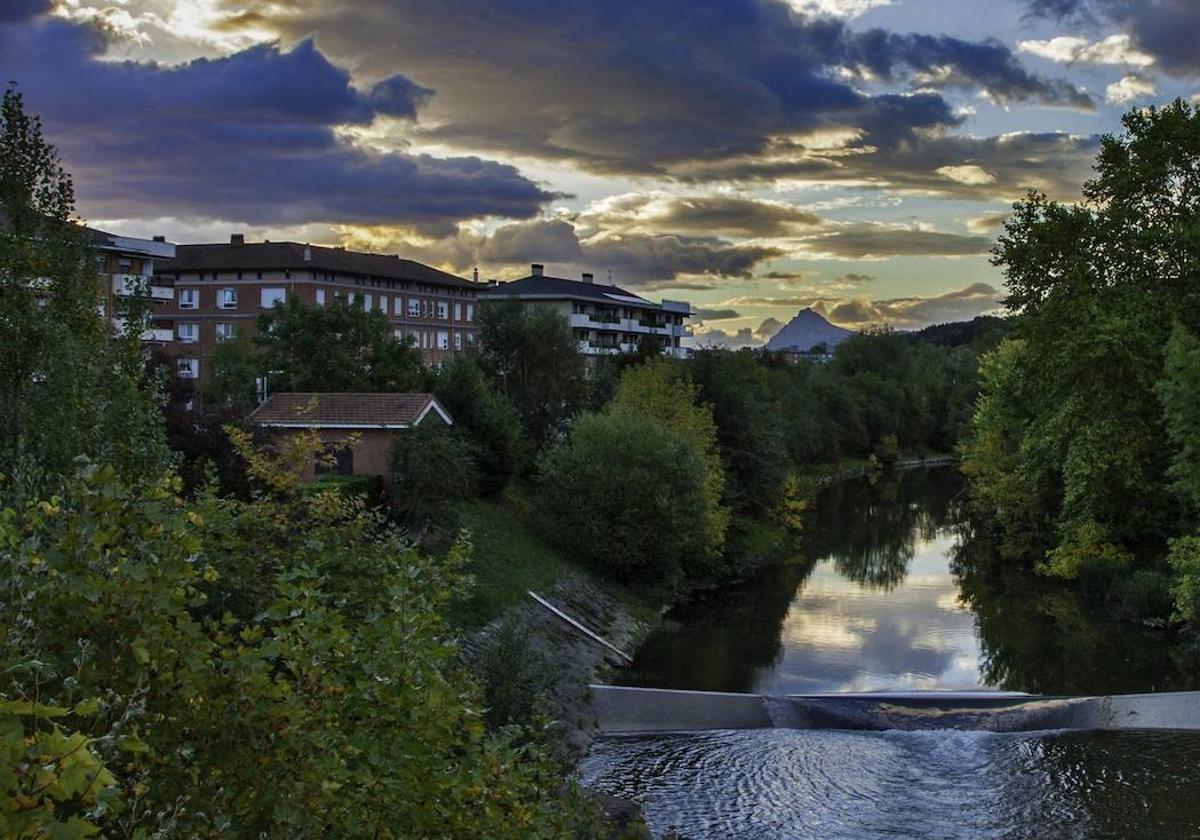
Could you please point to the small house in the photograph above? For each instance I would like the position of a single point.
(373, 419)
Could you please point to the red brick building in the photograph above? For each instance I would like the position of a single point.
(220, 290)
(374, 418)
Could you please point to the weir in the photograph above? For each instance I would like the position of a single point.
(627, 710)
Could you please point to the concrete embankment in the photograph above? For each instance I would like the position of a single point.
(629, 710)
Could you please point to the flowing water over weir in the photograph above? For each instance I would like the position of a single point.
(891, 664)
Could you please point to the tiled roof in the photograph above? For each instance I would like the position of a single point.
(278, 256)
(540, 285)
(313, 410)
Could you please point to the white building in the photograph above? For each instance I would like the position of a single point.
(605, 319)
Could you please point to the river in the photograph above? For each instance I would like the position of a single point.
(890, 590)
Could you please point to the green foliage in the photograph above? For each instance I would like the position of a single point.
(516, 678)
(336, 347)
(624, 493)
(1179, 391)
(233, 367)
(487, 416)
(1084, 437)
(69, 386)
(533, 358)
(659, 389)
(52, 783)
(1184, 557)
(433, 466)
(258, 667)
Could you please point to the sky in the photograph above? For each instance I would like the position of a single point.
(753, 157)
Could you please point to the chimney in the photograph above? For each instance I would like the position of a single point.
(237, 239)
(536, 269)
(307, 253)
(476, 274)
(160, 239)
(587, 277)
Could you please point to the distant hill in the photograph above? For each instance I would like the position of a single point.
(806, 331)
(985, 329)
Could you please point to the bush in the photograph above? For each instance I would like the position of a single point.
(624, 493)
(1184, 557)
(432, 467)
(269, 668)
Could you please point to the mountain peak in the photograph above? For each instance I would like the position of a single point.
(805, 331)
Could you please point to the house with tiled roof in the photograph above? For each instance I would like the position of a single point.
(371, 420)
(605, 319)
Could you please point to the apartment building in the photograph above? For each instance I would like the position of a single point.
(606, 319)
(126, 266)
(221, 289)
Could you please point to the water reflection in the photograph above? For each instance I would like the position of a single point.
(894, 591)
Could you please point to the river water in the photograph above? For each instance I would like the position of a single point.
(890, 590)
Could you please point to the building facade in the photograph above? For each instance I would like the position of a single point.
(220, 290)
(605, 319)
(127, 267)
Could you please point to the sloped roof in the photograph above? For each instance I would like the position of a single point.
(279, 256)
(346, 411)
(541, 285)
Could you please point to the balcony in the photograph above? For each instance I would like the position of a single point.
(158, 336)
(125, 285)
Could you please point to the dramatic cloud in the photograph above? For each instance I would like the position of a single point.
(637, 260)
(988, 223)
(1128, 89)
(713, 215)
(869, 240)
(1071, 49)
(716, 314)
(250, 137)
(1163, 29)
(606, 87)
(914, 312)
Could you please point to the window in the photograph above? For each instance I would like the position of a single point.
(368, 301)
(414, 308)
(125, 265)
(458, 312)
(226, 331)
(187, 367)
(470, 312)
(443, 310)
(272, 295)
(189, 298)
(227, 298)
(352, 297)
(383, 304)
(320, 297)
(398, 306)
(458, 341)
(443, 340)
(188, 333)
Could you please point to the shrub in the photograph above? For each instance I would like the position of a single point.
(277, 667)
(1184, 557)
(625, 493)
(1145, 594)
(432, 467)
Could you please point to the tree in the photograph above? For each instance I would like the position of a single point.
(1078, 423)
(487, 416)
(277, 667)
(535, 361)
(432, 467)
(70, 385)
(658, 388)
(335, 347)
(625, 493)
